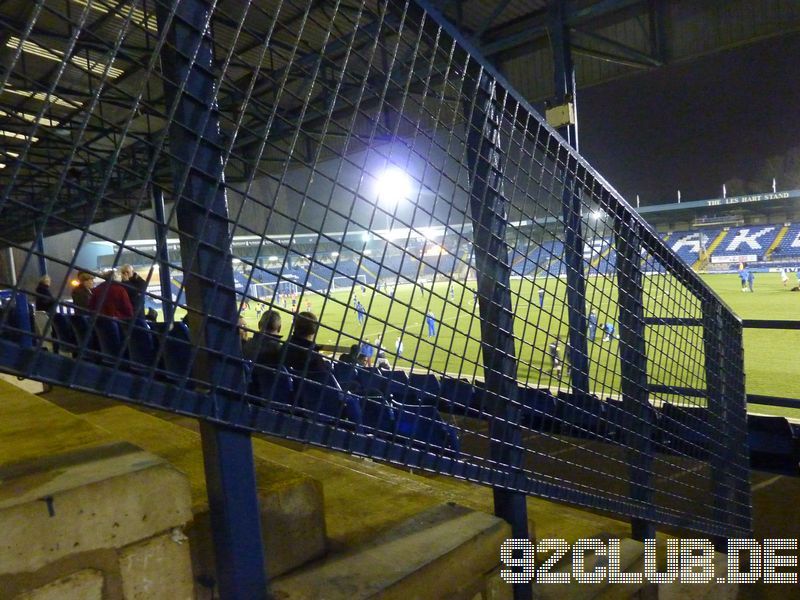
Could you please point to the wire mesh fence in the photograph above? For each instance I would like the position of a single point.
(334, 222)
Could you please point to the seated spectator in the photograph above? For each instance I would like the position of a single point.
(135, 285)
(350, 357)
(44, 298)
(381, 362)
(265, 346)
(110, 297)
(300, 352)
(151, 315)
(241, 329)
(82, 293)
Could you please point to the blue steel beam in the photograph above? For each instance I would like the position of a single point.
(526, 30)
(564, 73)
(205, 234)
(618, 50)
(489, 215)
(162, 254)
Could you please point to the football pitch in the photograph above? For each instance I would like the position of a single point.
(675, 354)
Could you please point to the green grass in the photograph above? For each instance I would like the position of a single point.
(770, 362)
(675, 355)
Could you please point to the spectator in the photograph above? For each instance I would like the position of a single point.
(44, 298)
(381, 361)
(135, 285)
(151, 315)
(82, 292)
(554, 350)
(350, 357)
(265, 346)
(300, 351)
(110, 298)
(241, 329)
(592, 325)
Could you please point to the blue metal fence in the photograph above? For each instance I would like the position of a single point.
(362, 162)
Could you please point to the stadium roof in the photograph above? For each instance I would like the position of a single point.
(744, 206)
(80, 118)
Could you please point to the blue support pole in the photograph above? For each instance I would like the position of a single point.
(727, 409)
(162, 254)
(196, 148)
(22, 315)
(40, 250)
(637, 430)
(489, 214)
(571, 203)
(231, 482)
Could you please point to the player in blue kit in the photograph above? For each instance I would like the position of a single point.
(430, 321)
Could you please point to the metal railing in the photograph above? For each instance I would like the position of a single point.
(541, 338)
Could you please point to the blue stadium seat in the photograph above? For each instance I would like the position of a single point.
(685, 430)
(271, 384)
(581, 415)
(427, 387)
(64, 333)
(177, 354)
(143, 344)
(457, 395)
(85, 335)
(424, 425)
(539, 408)
(109, 337)
(623, 425)
(325, 398)
(399, 388)
(772, 442)
(346, 374)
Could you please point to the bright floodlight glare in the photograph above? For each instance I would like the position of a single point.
(597, 214)
(393, 185)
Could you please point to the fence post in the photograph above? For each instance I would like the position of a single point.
(633, 369)
(40, 249)
(196, 148)
(489, 214)
(162, 254)
(724, 369)
(564, 74)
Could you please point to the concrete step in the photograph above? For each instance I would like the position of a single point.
(82, 513)
(292, 512)
(291, 503)
(447, 551)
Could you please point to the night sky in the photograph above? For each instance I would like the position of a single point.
(693, 126)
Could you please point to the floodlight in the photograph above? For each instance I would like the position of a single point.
(393, 186)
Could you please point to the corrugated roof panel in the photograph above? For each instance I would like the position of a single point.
(707, 27)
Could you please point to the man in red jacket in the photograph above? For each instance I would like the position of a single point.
(110, 298)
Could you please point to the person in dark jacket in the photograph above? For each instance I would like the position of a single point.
(82, 293)
(110, 298)
(265, 346)
(351, 357)
(300, 352)
(135, 285)
(44, 297)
